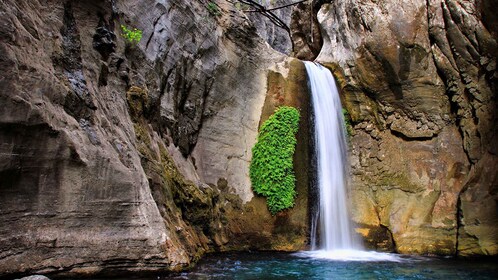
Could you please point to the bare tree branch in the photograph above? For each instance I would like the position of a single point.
(258, 8)
(280, 7)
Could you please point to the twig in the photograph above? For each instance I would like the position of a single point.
(280, 7)
(268, 12)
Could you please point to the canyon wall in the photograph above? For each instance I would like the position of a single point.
(419, 81)
(117, 156)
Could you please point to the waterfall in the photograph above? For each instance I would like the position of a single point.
(332, 218)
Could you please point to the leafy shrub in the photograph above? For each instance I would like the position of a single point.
(213, 9)
(272, 169)
(133, 36)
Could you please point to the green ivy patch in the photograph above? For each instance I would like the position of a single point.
(272, 169)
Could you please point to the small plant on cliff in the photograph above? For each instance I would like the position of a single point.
(272, 169)
(213, 9)
(347, 122)
(133, 36)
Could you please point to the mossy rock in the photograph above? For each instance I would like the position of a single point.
(137, 98)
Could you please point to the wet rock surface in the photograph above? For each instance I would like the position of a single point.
(418, 79)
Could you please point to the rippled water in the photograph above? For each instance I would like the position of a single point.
(270, 265)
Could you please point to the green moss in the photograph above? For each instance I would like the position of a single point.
(169, 170)
(137, 101)
(143, 140)
(399, 181)
(272, 169)
(213, 9)
(347, 122)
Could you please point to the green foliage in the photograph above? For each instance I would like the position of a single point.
(213, 9)
(347, 122)
(272, 169)
(133, 36)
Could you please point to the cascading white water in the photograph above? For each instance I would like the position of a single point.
(330, 143)
(338, 241)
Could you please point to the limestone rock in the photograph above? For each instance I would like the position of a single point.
(477, 234)
(73, 191)
(305, 31)
(410, 189)
(116, 156)
(287, 86)
(419, 81)
(275, 36)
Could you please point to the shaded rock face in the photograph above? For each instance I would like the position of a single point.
(419, 81)
(303, 41)
(275, 36)
(122, 157)
(305, 31)
(287, 86)
(73, 194)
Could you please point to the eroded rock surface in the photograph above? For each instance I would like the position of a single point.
(275, 36)
(117, 156)
(419, 81)
(305, 30)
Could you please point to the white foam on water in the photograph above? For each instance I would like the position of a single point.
(352, 255)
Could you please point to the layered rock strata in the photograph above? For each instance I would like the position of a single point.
(116, 156)
(419, 81)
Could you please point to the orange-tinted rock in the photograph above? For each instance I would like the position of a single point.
(419, 81)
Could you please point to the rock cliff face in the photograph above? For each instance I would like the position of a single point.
(275, 36)
(420, 83)
(116, 156)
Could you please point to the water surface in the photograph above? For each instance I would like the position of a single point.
(271, 265)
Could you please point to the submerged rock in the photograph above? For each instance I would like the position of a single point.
(34, 277)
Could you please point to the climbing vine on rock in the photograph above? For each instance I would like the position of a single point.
(272, 169)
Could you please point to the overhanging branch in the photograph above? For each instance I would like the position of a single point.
(268, 13)
(280, 7)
